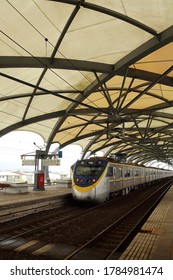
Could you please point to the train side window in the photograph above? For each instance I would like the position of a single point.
(109, 171)
(127, 173)
(114, 170)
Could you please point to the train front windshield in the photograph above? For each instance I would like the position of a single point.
(88, 171)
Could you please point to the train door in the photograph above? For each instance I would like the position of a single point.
(121, 170)
(114, 176)
(133, 176)
(110, 176)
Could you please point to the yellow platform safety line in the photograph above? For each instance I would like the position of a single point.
(43, 249)
(147, 229)
(26, 245)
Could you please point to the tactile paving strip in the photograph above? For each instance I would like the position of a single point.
(144, 242)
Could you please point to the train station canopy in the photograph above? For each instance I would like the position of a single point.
(96, 73)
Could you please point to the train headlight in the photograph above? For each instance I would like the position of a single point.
(93, 180)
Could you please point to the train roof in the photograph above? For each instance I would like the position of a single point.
(124, 163)
(114, 161)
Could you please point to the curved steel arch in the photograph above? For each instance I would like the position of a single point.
(145, 49)
(100, 9)
(118, 111)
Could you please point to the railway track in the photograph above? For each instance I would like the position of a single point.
(27, 238)
(47, 221)
(112, 241)
(17, 210)
(24, 232)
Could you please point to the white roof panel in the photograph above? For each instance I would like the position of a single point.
(96, 73)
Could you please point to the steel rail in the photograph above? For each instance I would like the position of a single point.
(115, 223)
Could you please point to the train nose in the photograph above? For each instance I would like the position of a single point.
(90, 195)
(84, 195)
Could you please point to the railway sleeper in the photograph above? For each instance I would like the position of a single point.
(105, 246)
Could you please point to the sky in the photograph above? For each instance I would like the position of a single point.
(16, 143)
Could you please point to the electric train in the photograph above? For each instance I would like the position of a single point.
(97, 179)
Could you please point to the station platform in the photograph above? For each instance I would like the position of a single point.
(50, 191)
(155, 239)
